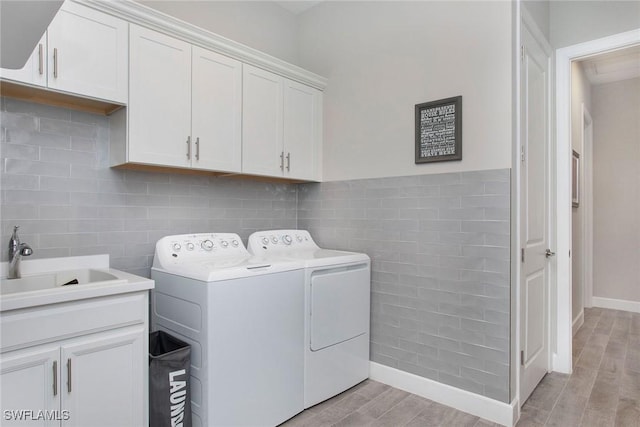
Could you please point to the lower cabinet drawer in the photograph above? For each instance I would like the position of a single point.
(38, 325)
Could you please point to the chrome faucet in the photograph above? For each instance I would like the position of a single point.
(16, 251)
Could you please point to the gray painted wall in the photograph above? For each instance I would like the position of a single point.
(580, 21)
(56, 184)
(616, 190)
(440, 269)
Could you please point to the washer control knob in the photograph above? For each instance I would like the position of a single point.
(177, 247)
(224, 243)
(234, 243)
(265, 241)
(299, 238)
(190, 246)
(207, 245)
(287, 239)
(274, 239)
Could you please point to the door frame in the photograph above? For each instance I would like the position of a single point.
(562, 359)
(587, 209)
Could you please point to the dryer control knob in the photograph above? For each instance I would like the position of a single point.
(265, 241)
(190, 246)
(177, 247)
(235, 243)
(274, 239)
(207, 245)
(224, 243)
(287, 239)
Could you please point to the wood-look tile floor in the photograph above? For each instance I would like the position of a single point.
(371, 403)
(604, 389)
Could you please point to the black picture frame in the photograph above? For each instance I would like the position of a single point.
(439, 130)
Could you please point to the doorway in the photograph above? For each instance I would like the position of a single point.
(562, 359)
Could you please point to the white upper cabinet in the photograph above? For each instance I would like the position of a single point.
(87, 53)
(302, 131)
(281, 126)
(216, 111)
(262, 108)
(34, 71)
(185, 104)
(159, 99)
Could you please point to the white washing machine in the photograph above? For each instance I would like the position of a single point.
(337, 305)
(244, 319)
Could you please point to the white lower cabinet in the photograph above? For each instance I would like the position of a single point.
(77, 378)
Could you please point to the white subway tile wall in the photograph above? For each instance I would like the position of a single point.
(440, 250)
(439, 243)
(57, 185)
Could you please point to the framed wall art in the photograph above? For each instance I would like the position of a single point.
(439, 130)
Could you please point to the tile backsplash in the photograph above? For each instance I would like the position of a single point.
(57, 185)
(439, 244)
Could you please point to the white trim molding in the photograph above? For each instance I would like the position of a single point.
(562, 359)
(578, 322)
(502, 413)
(587, 207)
(139, 14)
(617, 304)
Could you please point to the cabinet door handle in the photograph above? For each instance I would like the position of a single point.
(40, 59)
(55, 62)
(288, 162)
(198, 148)
(55, 377)
(282, 161)
(189, 148)
(69, 375)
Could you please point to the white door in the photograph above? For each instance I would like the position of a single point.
(216, 118)
(302, 130)
(159, 99)
(103, 379)
(87, 53)
(29, 380)
(262, 109)
(534, 193)
(34, 71)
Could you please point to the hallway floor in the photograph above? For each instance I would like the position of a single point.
(604, 389)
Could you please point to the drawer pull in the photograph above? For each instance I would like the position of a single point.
(69, 375)
(55, 377)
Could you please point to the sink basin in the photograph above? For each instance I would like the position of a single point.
(60, 279)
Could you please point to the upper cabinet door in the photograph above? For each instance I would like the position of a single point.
(87, 53)
(302, 131)
(216, 126)
(159, 99)
(35, 70)
(262, 152)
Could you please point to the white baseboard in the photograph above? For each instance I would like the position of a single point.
(617, 304)
(475, 404)
(578, 322)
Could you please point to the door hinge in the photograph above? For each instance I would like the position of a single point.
(522, 153)
(522, 254)
(521, 52)
(522, 357)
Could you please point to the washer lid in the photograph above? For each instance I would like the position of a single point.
(211, 257)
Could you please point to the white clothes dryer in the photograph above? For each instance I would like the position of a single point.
(337, 306)
(244, 320)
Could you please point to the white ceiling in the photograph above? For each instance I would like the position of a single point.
(613, 66)
(297, 6)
